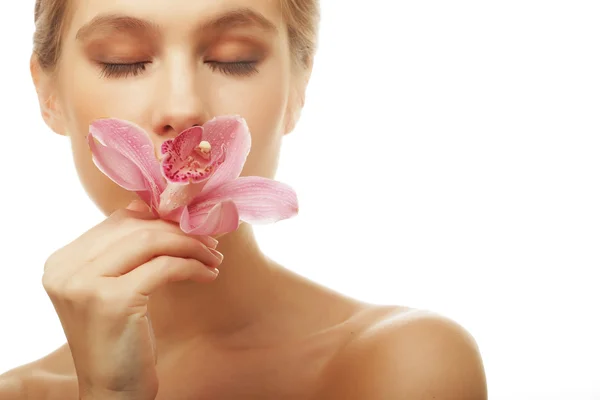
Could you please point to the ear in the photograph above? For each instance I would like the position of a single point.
(297, 97)
(45, 87)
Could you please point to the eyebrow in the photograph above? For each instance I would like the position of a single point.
(221, 22)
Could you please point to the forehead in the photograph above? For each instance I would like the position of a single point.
(180, 15)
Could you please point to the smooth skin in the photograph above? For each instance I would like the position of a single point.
(152, 313)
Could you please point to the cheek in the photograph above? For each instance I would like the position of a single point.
(262, 101)
(81, 104)
(107, 195)
(89, 97)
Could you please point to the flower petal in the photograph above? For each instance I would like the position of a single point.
(134, 145)
(230, 138)
(214, 219)
(178, 195)
(116, 166)
(258, 200)
(184, 143)
(182, 160)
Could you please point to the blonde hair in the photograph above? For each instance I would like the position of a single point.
(50, 16)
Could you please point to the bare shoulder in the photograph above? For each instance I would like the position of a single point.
(49, 378)
(410, 354)
(12, 387)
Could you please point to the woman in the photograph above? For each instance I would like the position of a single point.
(219, 324)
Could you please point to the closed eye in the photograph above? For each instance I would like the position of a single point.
(111, 70)
(240, 68)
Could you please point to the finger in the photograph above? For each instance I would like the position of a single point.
(97, 240)
(129, 221)
(142, 207)
(208, 241)
(139, 206)
(121, 224)
(142, 246)
(162, 270)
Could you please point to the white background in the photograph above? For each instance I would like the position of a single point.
(449, 153)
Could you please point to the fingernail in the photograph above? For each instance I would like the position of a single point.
(211, 242)
(217, 255)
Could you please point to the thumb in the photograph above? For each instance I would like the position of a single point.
(138, 205)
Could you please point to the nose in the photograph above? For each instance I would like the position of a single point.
(178, 104)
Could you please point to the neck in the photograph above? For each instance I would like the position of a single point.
(187, 310)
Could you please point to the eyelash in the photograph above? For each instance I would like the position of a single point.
(236, 68)
(239, 68)
(122, 70)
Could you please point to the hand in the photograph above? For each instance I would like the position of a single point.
(100, 285)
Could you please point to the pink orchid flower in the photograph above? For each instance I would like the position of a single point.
(195, 182)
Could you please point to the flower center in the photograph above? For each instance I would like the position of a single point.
(203, 150)
(192, 168)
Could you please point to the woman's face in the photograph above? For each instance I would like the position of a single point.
(167, 65)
